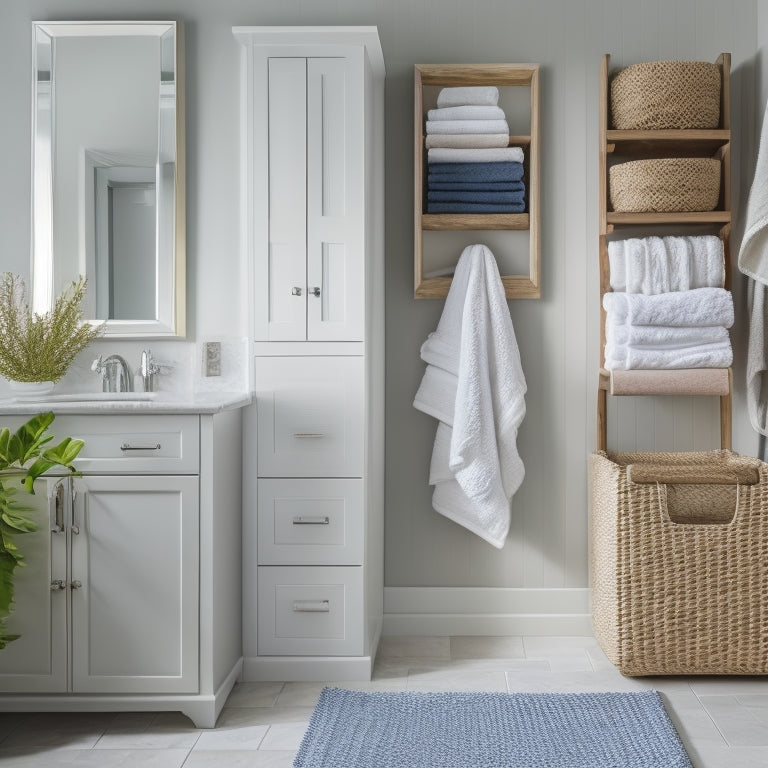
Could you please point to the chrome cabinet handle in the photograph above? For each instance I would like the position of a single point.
(314, 291)
(305, 435)
(76, 584)
(311, 606)
(312, 520)
(296, 291)
(58, 507)
(58, 584)
(128, 447)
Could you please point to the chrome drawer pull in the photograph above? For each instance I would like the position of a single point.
(314, 291)
(127, 447)
(312, 520)
(303, 435)
(312, 606)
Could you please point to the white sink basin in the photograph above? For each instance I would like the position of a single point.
(100, 397)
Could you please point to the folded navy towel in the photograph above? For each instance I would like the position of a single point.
(487, 186)
(475, 172)
(446, 196)
(475, 208)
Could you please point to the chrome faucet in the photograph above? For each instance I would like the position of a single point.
(115, 374)
(147, 370)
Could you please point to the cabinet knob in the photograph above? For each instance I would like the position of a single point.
(76, 584)
(296, 291)
(314, 291)
(58, 584)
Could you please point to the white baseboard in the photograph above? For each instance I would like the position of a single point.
(493, 611)
(307, 668)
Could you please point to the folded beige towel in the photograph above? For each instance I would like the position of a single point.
(466, 140)
(492, 155)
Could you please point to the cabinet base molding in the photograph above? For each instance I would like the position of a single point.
(307, 668)
(202, 709)
(492, 611)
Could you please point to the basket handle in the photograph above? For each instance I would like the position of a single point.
(693, 474)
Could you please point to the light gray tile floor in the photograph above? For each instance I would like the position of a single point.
(723, 722)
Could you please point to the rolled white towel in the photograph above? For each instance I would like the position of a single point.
(660, 336)
(627, 358)
(467, 126)
(700, 306)
(496, 155)
(466, 140)
(467, 113)
(477, 95)
(660, 265)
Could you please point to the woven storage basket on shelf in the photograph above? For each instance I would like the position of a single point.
(665, 184)
(679, 562)
(666, 94)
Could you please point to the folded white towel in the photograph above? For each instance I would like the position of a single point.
(478, 95)
(476, 468)
(660, 265)
(700, 306)
(493, 155)
(467, 113)
(466, 140)
(660, 336)
(467, 126)
(627, 358)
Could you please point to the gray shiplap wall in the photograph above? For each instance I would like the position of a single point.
(558, 335)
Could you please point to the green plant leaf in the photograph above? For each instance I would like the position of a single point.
(18, 522)
(65, 452)
(32, 437)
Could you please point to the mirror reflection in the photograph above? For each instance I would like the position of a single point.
(108, 172)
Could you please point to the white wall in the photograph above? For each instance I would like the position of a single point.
(558, 334)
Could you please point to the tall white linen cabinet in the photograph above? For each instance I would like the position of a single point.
(313, 229)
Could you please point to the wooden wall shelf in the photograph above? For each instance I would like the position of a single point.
(621, 145)
(502, 76)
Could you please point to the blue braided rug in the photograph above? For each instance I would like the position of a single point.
(350, 729)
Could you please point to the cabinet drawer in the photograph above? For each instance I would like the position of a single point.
(310, 611)
(310, 522)
(310, 416)
(161, 444)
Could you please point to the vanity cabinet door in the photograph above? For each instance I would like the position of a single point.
(135, 584)
(37, 661)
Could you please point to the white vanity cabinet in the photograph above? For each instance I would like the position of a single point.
(313, 106)
(131, 596)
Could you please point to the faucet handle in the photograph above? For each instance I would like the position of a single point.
(97, 366)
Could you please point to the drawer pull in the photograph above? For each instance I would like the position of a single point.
(312, 520)
(304, 435)
(128, 447)
(312, 606)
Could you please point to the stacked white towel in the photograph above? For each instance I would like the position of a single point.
(677, 329)
(661, 265)
(471, 167)
(474, 385)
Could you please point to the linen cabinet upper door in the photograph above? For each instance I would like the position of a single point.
(335, 199)
(282, 310)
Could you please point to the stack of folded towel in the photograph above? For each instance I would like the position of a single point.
(668, 308)
(471, 167)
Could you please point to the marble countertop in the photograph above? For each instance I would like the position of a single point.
(127, 402)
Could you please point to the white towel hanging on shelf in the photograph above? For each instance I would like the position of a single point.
(474, 385)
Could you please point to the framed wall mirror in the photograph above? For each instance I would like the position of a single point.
(108, 196)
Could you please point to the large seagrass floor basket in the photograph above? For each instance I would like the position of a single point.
(679, 562)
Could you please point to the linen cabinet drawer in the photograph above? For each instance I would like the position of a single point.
(310, 522)
(310, 416)
(313, 610)
(136, 444)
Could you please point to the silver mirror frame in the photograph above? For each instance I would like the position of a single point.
(171, 301)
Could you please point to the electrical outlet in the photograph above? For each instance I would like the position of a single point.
(212, 358)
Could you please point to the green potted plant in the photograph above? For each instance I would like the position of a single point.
(23, 458)
(39, 348)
